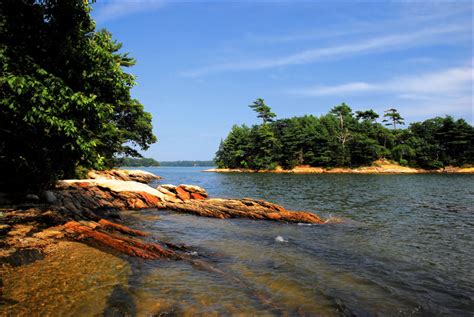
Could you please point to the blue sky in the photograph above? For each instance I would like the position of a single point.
(200, 64)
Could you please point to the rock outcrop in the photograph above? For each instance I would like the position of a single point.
(82, 210)
(102, 196)
(124, 175)
(243, 208)
(183, 192)
(96, 231)
(36, 229)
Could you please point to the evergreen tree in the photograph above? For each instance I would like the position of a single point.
(264, 112)
(368, 115)
(340, 139)
(265, 148)
(344, 115)
(393, 118)
(235, 150)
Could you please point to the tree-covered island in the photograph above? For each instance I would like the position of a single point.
(342, 138)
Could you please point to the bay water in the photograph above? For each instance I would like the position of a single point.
(402, 245)
(397, 245)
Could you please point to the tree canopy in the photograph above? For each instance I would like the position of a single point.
(393, 118)
(341, 138)
(264, 112)
(65, 100)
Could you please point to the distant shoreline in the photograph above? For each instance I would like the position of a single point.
(381, 169)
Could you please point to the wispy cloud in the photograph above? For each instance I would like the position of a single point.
(447, 82)
(110, 10)
(414, 15)
(434, 93)
(367, 46)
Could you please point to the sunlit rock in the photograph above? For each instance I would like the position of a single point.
(124, 175)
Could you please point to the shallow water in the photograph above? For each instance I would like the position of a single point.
(404, 248)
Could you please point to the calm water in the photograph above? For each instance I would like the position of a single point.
(405, 248)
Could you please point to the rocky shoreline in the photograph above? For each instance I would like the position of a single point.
(88, 211)
(379, 167)
(55, 239)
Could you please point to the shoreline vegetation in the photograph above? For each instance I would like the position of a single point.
(343, 141)
(187, 163)
(378, 167)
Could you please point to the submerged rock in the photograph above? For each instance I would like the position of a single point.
(127, 245)
(67, 279)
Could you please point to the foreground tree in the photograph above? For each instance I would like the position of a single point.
(65, 101)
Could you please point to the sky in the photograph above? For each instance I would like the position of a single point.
(201, 63)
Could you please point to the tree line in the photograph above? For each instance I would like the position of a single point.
(343, 138)
(187, 163)
(136, 162)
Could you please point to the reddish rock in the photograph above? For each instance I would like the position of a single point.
(182, 193)
(115, 226)
(122, 244)
(243, 208)
(194, 189)
(109, 195)
(197, 196)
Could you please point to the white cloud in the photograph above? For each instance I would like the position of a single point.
(338, 89)
(447, 91)
(368, 46)
(447, 82)
(107, 11)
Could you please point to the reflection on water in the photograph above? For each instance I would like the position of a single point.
(404, 248)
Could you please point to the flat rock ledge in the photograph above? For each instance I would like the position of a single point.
(124, 175)
(86, 210)
(102, 196)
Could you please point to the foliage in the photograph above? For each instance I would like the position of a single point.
(393, 118)
(341, 138)
(187, 163)
(369, 115)
(136, 162)
(264, 111)
(65, 101)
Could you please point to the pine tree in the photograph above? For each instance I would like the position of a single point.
(264, 111)
(393, 118)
